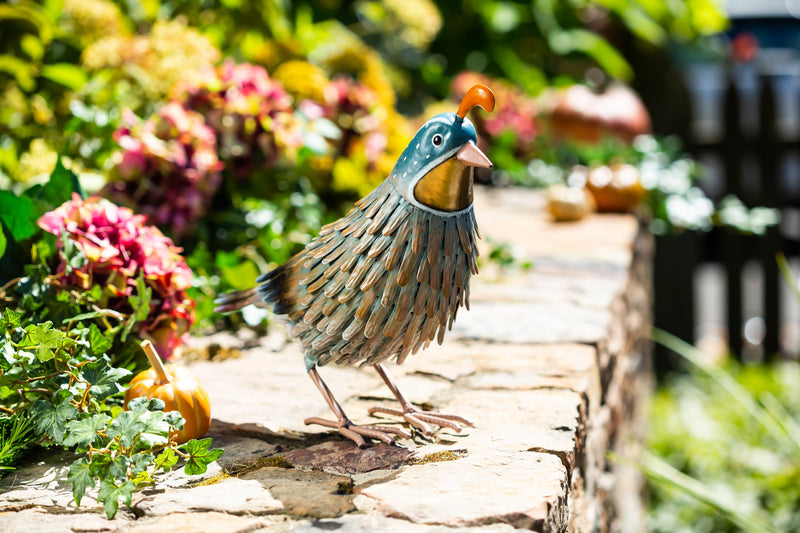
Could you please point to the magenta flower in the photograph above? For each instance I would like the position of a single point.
(119, 247)
(168, 166)
(251, 113)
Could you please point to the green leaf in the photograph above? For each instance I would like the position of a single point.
(110, 494)
(51, 417)
(127, 425)
(118, 468)
(200, 456)
(60, 186)
(21, 70)
(241, 276)
(166, 460)
(84, 432)
(19, 214)
(140, 462)
(66, 74)
(10, 319)
(3, 242)
(104, 378)
(32, 46)
(99, 342)
(80, 478)
(141, 300)
(46, 340)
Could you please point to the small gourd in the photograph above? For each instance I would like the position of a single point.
(179, 391)
(568, 204)
(617, 188)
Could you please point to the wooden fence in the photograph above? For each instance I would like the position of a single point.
(752, 154)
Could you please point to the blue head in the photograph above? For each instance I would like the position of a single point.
(435, 170)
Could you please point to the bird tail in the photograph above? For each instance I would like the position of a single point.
(233, 301)
(272, 289)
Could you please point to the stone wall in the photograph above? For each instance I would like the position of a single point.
(551, 363)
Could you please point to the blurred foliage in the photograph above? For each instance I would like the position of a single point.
(724, 447)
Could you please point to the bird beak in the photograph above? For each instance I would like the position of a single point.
(472, 156)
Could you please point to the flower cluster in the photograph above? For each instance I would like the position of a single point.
(373, 135)
(177, 154)
(340, 133)
(515, 111)
(154, 62)
(252, 115)
(119, 249)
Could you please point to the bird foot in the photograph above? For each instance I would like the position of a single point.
(356, 433)
(421, 419)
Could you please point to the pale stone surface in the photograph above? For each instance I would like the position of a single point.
(38, 520)
(550, 364)
(377, 522)
(213, 522)
(523, 490)
(232, 496)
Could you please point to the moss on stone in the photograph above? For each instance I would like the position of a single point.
(437, 457)
(213, 480)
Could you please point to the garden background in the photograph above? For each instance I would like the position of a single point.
(239, 128)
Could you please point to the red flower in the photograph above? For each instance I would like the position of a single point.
(119, 247)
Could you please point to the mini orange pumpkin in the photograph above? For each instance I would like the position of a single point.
(179, 391)
(616, 188)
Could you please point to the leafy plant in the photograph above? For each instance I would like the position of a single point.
(67, 328)
(724, 447)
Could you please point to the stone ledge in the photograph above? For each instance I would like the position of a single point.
(550, 364)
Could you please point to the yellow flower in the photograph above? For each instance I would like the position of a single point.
(39, 160)
(91, 20)
(170, 53)
(302, 80)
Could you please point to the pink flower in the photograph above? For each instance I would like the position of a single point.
(119, 247)
(168, 166)
(251, 113)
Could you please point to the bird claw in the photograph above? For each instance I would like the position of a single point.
(418, 418)
(356, 433)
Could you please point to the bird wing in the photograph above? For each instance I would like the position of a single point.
(380, 282)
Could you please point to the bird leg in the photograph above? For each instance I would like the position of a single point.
(344, 426)
(414, 416)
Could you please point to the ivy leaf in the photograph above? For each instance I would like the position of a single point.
(156, 431)
(99, 342)
(45, 338)
(110, 494)
(140, 462)
(84, 432)
(127, 425)
(51, 417)
(118, 468)
(199, 456)
(174, 419)
(166, 460)
(104, 378)
(10, 319)
(80, 477)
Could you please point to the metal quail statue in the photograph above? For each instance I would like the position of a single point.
(390, 276)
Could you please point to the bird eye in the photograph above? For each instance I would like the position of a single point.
(437, 140)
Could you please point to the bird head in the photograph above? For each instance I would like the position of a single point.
(435, 170)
